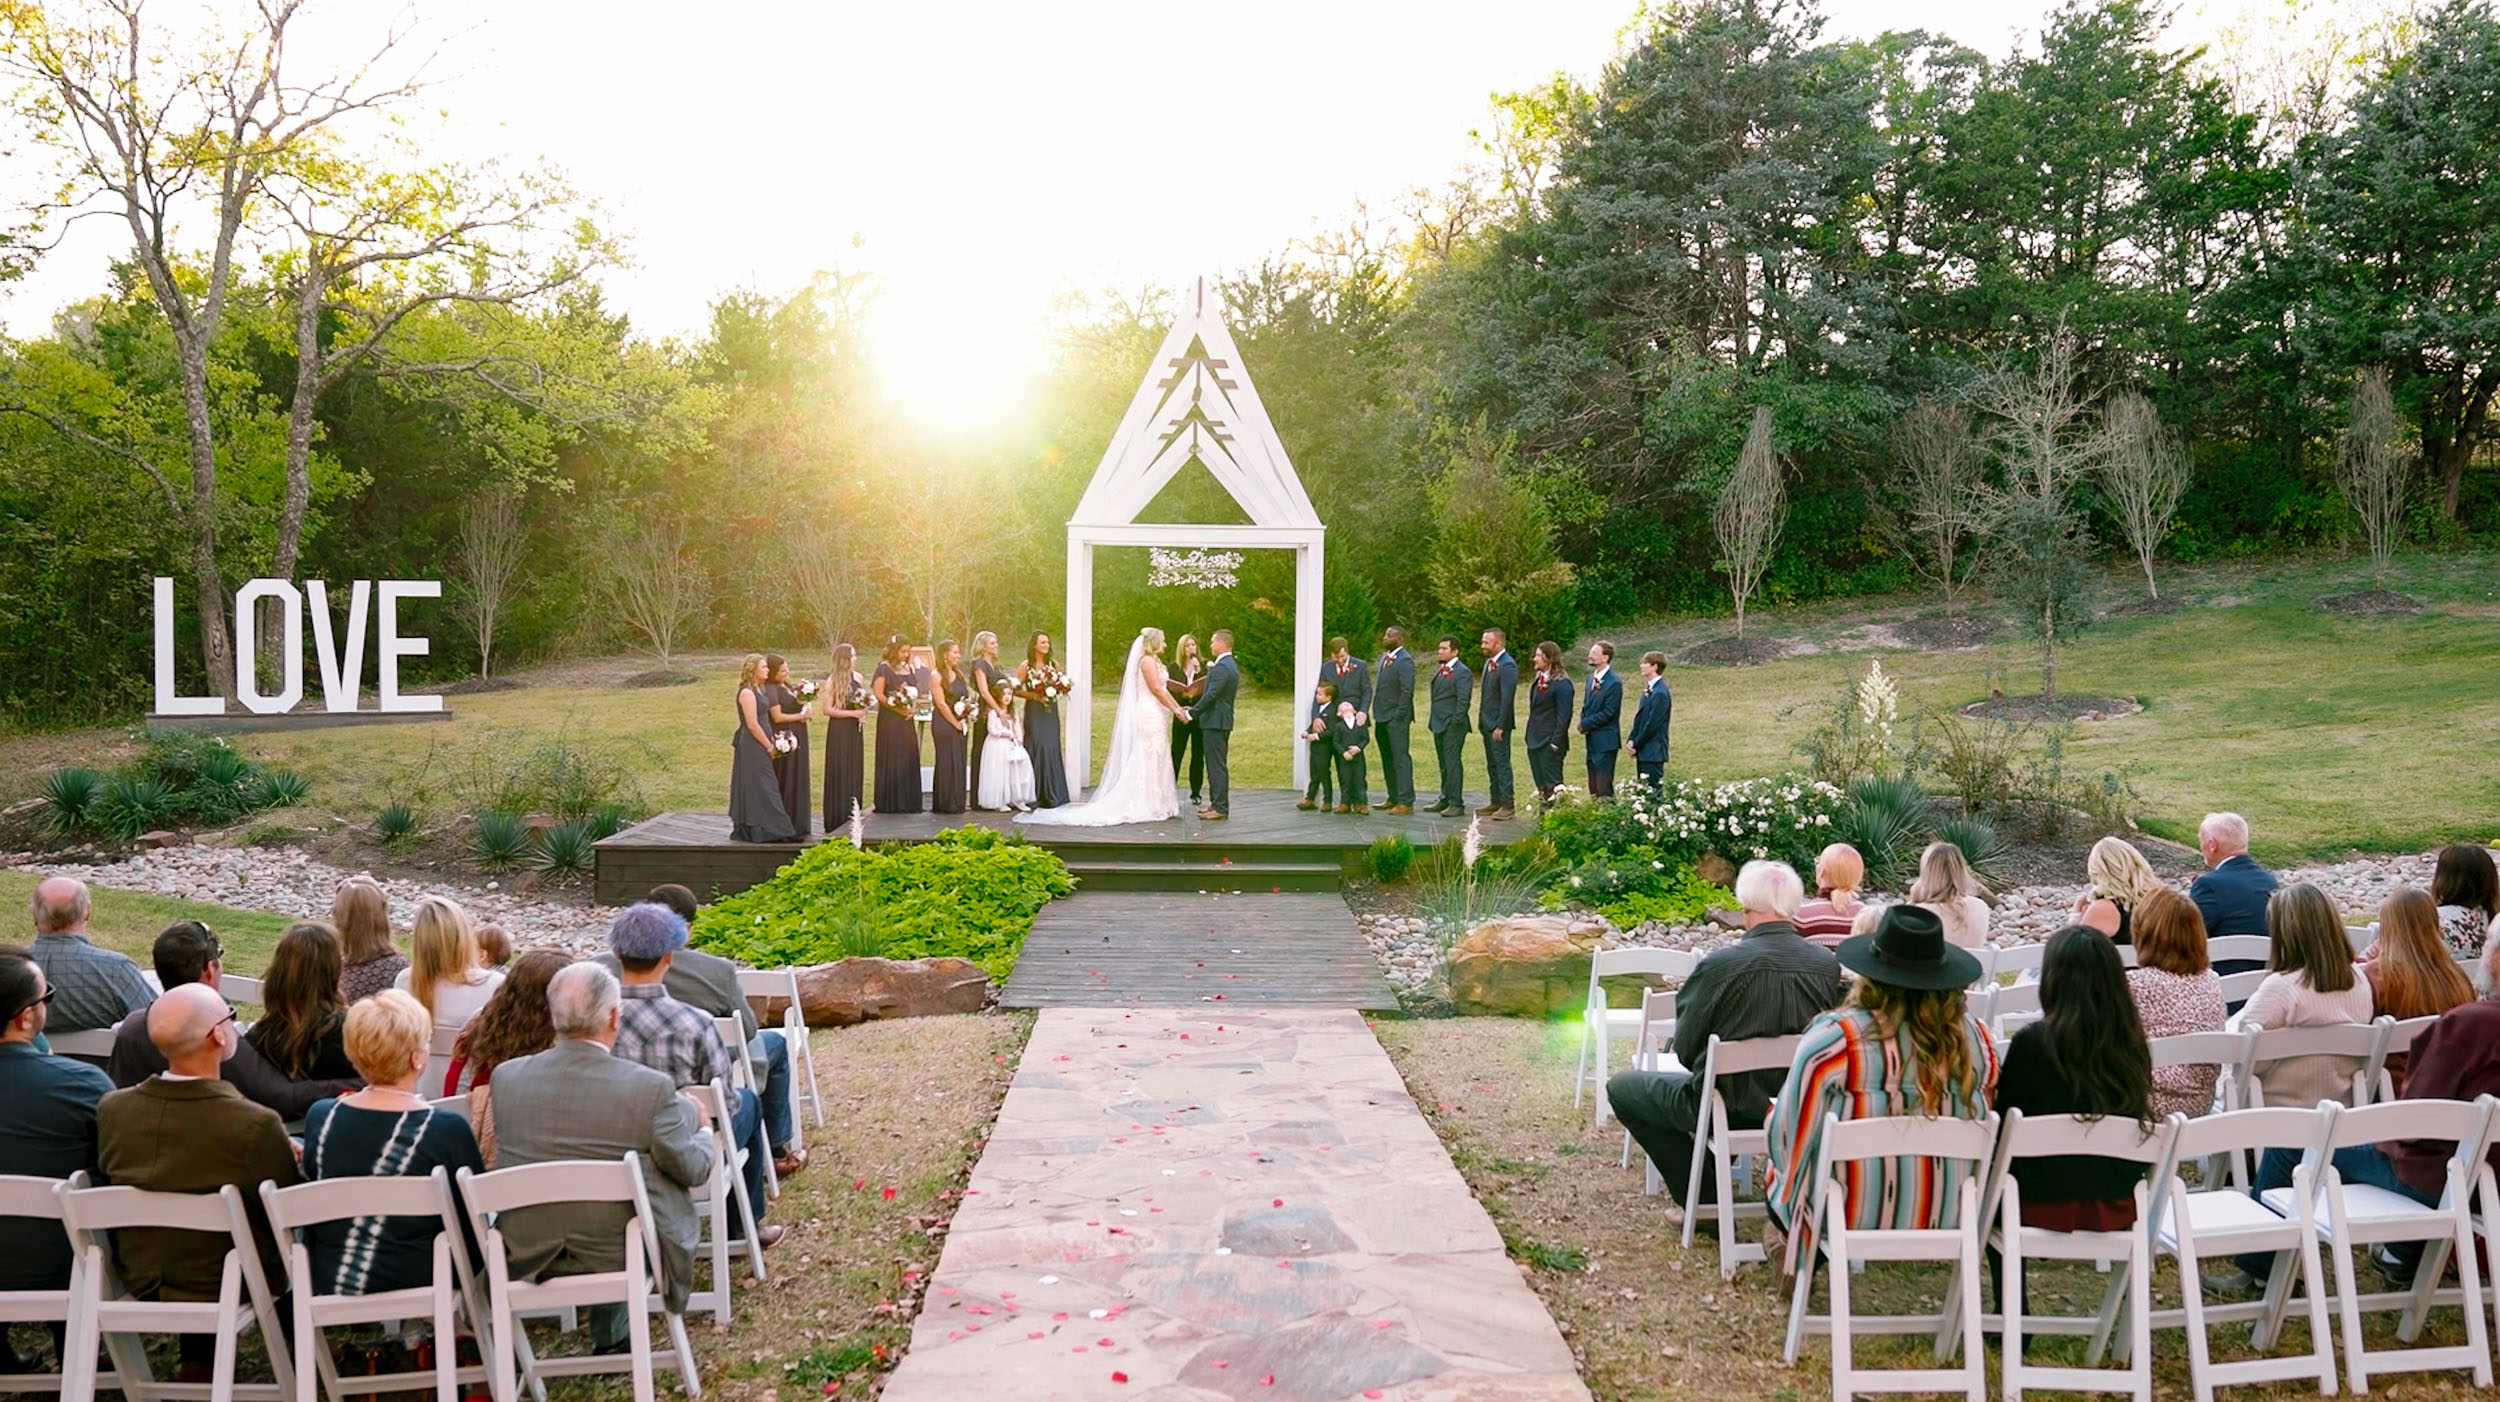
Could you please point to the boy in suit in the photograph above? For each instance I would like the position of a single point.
(1601, 719)
(1320, 792)
(1347, 734)
(1649, 725)
(1451, 685)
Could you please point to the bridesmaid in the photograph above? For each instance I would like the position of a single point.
(755, 811)
(989, 690)
(898, 735)
(789, 716)
(1188, 681)
(1041, 729)
(842, 739)
(950, 786)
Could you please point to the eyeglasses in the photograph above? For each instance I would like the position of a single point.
(22, 1007)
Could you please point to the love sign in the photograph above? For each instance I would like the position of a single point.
(340, 658)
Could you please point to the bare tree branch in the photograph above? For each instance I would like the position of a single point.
(2143, 474)
(2373, 464)
(1752, 508)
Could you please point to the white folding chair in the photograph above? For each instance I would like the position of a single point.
(2398, 1042)
(1720, 1144)
(2019, 959)
(1598, 1021)
(2127, 956)
(725, 1193)
(2362, 937)
(2226, 949)
(742, 1077)
(2239, 987)
(235, 988)
(92, 1044)
(39, 1199)
(1987, 956)
(101, 1311)
(2220, 1220)
(2364, 1044)
(765, 984)
(452, 1292)
(1653, 1049)
(1966, 1145)
(634, 1287)
(438, 1060)
(2345, 1215)
(2129, 1295)
(2226, 1052)
(450, 1105)
(2013, 1000)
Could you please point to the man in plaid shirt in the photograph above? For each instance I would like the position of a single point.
(91, 987)
(677, 1038)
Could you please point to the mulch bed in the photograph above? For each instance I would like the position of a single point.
(2144, 607)
(475, 685)
(2372, 603)
(2029, 708)
(661, 676)
(1949, 633)
(1733, 652)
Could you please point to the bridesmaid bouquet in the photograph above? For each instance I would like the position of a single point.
(965, 708)
(904, 698)
(804, 690)
(857, 697)
(784, 743)
(1046, 683)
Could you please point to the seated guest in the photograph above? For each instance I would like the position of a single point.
(2408, 968)
(2175, 992)
(577, 1100)
(1770, 983)
(1838, 872)
(369, 962)
(515, 1023)
(2120, 879)
(188, 953)
(2455, 1058)
(91, 987)
(385, 1130)
(2466, 887)
(184, 1130)
(494, 947)
(2087, 1055)
(679, 1040)
(709, 982)
(47, 1130)
(1946, 886)
(443, 968)
(2233, 892)
(302, 1027)
(1904, 1044)
(2312, 984)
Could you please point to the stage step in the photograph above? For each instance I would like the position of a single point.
(1128, 872)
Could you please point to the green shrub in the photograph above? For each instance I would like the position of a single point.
(501, 839)
(1981, 845)
(1391, 855)
(566, 850)
(571, 772)
(129, 806)
(1680, 900)
(282, 788)
(396, 824)
(1887, 820)
(970, 893)
(608, 821)
(69, 798)
(1459, 892)
(857, 932)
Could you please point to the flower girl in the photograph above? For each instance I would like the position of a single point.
(1006, 778)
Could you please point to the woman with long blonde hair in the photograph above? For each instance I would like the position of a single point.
(846, 762)
(1947, 886)
(443, 971)
(756, 813)
(369, 962)
(1188, 680)
(2120, 880)
(2408, 967)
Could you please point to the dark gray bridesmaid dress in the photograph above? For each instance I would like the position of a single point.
(755, 811)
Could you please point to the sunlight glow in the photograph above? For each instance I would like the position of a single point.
(956, 363)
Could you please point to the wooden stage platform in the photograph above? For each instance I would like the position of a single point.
(1174, 950)
(1267, 844)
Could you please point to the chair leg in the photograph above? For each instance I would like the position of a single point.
(638, 1329)
(2120, 1289)
(1724, 1164)
(2192, 1303)
(755, 1240)
(686, 1379)
(2321, 1344)
(1844, 1355)
(446, 1339)
(1797, 1306)
(1692, 1175)
(1580, 1069)
(2009, 1306)
(229, 1326)
(1974, 1349)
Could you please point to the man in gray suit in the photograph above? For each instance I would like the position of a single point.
(1393, 719)
(578, 1101)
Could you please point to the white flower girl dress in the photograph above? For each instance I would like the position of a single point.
(1006, 779)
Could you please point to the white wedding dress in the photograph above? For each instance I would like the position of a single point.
(1137, 783)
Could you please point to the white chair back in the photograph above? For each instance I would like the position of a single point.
(451, 1293)
(2018, 958)
(2226, 1052)
(102, 1315)
(235, 988)
(438, 1059)
(783, 984)
(2398, 1042)
(2109, 1137)
(92, 1043)
(2010, 1000)
(2223, 949)
(2362, 937)
(2363, 1044)
(39, 1200)
(1598, 1021)
(724, 1194)
(450, 1105)
(1987, 956)
(2240, 987)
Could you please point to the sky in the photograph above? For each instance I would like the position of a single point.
(981, 159)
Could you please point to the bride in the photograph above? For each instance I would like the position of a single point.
(1137, 784)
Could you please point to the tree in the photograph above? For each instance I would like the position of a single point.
(836, 588)
(182, 147)
(654, 584)
(2039, 433)
(1941, 485)
(1752, 508)
(485, 563)
(2372, 465)
(1494, 562)
(2143, 473)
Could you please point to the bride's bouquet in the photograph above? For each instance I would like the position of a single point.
(1046, 684)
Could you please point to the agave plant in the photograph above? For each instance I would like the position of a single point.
(396, 823)
(281, 788)
(1885, 819)
(501, 840)
(1982, 846)
(129, 807)
(606, 821)
(566, 850)
(69, 798)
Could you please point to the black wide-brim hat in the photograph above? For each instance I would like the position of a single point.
(1908, 950)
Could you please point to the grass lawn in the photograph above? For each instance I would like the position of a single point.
(1651, 1320)
(2330, 733)
(129, 922)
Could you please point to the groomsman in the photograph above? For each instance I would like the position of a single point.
(1549, 720)
(1497, 715)
(1649, 725)
(1393, 719)
(1601, 719)
(1451, 682)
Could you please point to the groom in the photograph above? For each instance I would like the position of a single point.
(1214, 714)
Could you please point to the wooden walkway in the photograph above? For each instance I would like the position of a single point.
(1149, 949)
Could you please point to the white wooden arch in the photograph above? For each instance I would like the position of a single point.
(1194, 405)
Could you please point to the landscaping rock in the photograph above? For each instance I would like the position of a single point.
(850, 991)
(156, 841)
(1715, 869)
(1525, 966)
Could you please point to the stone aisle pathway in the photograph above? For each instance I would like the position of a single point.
(1239, 1204)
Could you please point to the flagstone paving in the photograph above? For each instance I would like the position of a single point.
(1240, 1205)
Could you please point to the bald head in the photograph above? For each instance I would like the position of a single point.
(189, 1026)
(60, 905)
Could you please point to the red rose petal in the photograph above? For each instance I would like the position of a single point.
(1034, 1335)
(889, 1194)
(858, 1184)
(1268, 1381)
(1119, 1377)
(1102, 1343)
(1371, 1392)
(1219, 1363)
(1279, 1202)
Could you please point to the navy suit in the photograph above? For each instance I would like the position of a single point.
(1649, 731)
(1497, 717)
(1450, 684)
(1393, 719)
(1214, 716)
(2232, 897)
(1549, 730)
(1601, 730)
(1321, 789)
(47, 1130)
